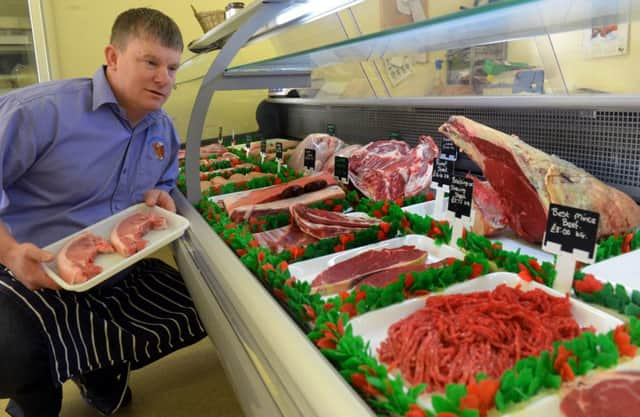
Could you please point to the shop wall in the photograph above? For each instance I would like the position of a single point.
(78, 31)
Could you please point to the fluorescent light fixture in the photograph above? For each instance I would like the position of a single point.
(312, 9)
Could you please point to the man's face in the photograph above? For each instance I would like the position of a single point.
(142, 75)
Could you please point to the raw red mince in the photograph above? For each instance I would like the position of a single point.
(455, 337)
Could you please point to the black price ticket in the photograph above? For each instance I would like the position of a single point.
(341, 169)
(448, 150)
(331, 129)
(460, 196)
(572, 229)
(279, 152)
(310, 159)
(442, 173)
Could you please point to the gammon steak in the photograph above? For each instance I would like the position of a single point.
(75, 261)
(126, 236)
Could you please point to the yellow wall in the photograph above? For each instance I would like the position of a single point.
(78, 31)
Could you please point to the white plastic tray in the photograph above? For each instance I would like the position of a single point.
(373, 326)
(113, 263)
(623, 269)
(307, 270)
(510, 241)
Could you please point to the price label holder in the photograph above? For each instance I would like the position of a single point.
(331, 129)
(310, 160)
(441, 182)
(247, 144)
(571, 235)
(263, 149)
(395, 136)
(279, 155)
(459, 210)
(233, 137)
(341, 169)
(220, 140)
(448, 150)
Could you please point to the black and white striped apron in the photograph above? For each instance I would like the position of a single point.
(139, 319)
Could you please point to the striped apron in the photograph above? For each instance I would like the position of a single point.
(139, 319)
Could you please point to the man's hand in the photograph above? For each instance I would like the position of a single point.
(159, 198)
(24, 260)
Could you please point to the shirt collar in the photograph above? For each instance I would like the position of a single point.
(103, 94)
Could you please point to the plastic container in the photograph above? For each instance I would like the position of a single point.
(113, 263)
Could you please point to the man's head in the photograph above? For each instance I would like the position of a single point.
(142, 59)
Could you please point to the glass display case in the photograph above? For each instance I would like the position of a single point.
(508, 48)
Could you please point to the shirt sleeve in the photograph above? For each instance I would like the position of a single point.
(168, 180)
(18, 146)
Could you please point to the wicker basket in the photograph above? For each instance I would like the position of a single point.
(208, 19)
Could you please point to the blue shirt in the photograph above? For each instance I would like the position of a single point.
(69, 157)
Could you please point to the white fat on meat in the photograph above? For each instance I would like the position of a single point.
(126, 236)
(75, 261)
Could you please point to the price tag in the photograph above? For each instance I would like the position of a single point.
(279, 154)
(331, 129)
(459, 207)
(395, 136)
(441, 181)
(310, 159)
(571, 234)
(341, 169)
(263, 150)
(233, 137)
(247, 141)
(220, 140)
(448, 150)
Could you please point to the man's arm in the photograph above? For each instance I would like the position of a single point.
(24, 260)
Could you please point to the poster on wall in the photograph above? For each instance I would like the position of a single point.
(606, 38)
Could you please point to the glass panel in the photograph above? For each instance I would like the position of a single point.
(17, 57)
(505, 20)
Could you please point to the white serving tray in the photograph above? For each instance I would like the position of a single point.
(373, 327)
(113, 263)
(623, 269)
(510, 241)
(307, 270)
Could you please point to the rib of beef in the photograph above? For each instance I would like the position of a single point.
(323, 224)
(75, 261)
(528, 180)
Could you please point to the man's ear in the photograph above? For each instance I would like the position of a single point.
(111, 56)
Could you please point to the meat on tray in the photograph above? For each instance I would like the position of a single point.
(386, 277)
(217, 183)
(75, 261)
(325, 146)
(126, 236)
(528, 180)
(245, 212)
(612, 393)
(345, 274)
(455, 337)
(323, 224)
(390, 169)
(277, 192)
(283, 238)
(206, 150)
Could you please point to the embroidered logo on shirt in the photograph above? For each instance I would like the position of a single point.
(158, 147)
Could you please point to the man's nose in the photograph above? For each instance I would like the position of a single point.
(162, 76)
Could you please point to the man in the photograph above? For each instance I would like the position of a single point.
(74, 152)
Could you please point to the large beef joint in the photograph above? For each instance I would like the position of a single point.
(126, 236)
(614, 393)
(389, 169)
(527, 180)
(75, 261)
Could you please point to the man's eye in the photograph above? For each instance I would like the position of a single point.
(151, 63)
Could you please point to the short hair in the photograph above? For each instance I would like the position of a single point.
(146, 23)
